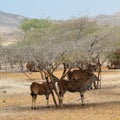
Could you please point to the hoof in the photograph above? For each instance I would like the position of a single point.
(83, 104)
(48, 106)
(33, 108)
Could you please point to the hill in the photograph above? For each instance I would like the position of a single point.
(9, 21)
(109, 19)
(9, 24)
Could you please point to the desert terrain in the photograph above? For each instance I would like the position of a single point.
(100, 104)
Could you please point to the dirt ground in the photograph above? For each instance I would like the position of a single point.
(101, 104)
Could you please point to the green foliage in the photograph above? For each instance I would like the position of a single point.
(34, 29)
(114, 57)
(30, 24)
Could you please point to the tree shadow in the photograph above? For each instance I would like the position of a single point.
(52, 107)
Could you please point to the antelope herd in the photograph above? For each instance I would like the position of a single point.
(77, 81)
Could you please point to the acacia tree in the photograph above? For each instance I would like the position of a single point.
(80, 40)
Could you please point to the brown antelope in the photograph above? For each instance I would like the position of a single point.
(78, 85)
(40, 89)
(81, 74)
(30, 66)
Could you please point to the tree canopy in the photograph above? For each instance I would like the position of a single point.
(82, 39)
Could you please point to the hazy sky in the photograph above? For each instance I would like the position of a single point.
(59, 9)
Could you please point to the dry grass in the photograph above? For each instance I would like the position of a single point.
(15, 100)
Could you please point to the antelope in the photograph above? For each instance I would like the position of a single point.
(77, 85)
(30, 66)
(40, 89)
(81, 74)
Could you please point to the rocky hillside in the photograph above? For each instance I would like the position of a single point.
(109, 19)
(9, 24)
(10, 20)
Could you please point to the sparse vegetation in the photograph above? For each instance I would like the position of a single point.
(74, 43)
(114, 59)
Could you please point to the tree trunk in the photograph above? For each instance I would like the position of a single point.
(99, 73)
(53, 96)
(42, 76)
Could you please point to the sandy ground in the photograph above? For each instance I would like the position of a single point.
(101, 104)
